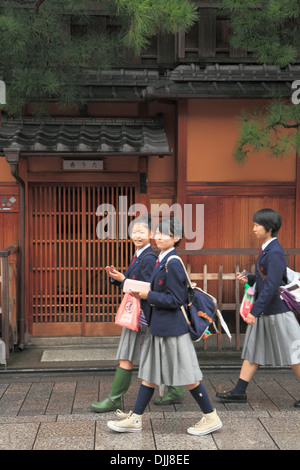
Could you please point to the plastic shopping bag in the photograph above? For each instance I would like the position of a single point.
(247, 302)
(128, 312)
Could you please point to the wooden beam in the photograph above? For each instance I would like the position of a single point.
(181, 166)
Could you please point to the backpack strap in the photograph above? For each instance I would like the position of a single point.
(184, 268)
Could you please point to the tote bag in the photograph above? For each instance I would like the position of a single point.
(248, 301)
(128, 312)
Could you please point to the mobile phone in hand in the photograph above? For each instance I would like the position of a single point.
(244, 273)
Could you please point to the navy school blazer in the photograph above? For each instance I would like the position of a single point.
(271, 262)
(168, 293)
(141, 270)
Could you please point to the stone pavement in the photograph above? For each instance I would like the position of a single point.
(49, 410)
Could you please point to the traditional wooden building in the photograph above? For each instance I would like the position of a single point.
(161, 130)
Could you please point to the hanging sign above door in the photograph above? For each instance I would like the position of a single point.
(83, 165)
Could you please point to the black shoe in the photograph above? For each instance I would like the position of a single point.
(297, 404)
(230, 397)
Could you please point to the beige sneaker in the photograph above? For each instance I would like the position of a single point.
(131, 423)
(209, 423)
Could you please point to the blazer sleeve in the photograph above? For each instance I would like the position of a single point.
(174, 294)
(276, 266)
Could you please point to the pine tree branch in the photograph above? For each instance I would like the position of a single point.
(37, 6)
(283, 124)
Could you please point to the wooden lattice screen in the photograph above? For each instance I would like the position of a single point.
(68, 283)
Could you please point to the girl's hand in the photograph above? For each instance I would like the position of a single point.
(250, 319)
(142, 295)
(242, 279)
(112, 272)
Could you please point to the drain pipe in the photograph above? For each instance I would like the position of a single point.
(12, 156)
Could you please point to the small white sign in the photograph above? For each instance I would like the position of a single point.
(83, 165)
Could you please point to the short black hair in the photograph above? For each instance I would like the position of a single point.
(144, 219)
(171, 226)
(269, 219)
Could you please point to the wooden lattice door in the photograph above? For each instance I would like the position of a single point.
(70, 293)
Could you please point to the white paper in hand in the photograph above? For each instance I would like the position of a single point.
(133, 285)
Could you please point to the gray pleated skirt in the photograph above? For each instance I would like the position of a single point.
(169, 360)
(130, 345)
(273, 340)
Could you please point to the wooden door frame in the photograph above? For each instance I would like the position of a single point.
(132, 178)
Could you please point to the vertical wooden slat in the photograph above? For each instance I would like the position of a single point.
(68, 291)
(50, 263)
(41, 260)
(84, 262)
(79, 248)
(45, 250)
(64, 255)
(207, 32)
(35, 262)
(90, 266)
(59, 254)
(75, 285)
(54, 257)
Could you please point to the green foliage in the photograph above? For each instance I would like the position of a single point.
(269, 29)
(146, 17)
(275, 128)
(39, 59)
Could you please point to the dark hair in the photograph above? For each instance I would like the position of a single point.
(171, 226)
(144, 219)
(269, 219)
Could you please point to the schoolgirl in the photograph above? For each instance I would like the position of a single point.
(140, 268)
(168, 355)
(273, 331)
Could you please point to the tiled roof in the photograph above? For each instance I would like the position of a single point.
(228, 80)
(117, 84)
(78, 135)
(235, 72)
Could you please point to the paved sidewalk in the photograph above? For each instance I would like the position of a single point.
(50, 411)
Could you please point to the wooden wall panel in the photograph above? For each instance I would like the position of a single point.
(228, 224)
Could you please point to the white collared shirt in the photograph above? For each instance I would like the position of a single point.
(140, 251)
(264, 245)
(162, 255)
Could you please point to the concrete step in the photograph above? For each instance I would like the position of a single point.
(74, 341)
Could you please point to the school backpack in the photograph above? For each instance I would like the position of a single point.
(290, 293)
(201, 309)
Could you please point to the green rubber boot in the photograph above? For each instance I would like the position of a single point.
(119, 386)
(173, 396)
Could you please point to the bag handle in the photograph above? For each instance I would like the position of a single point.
(263, 276)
